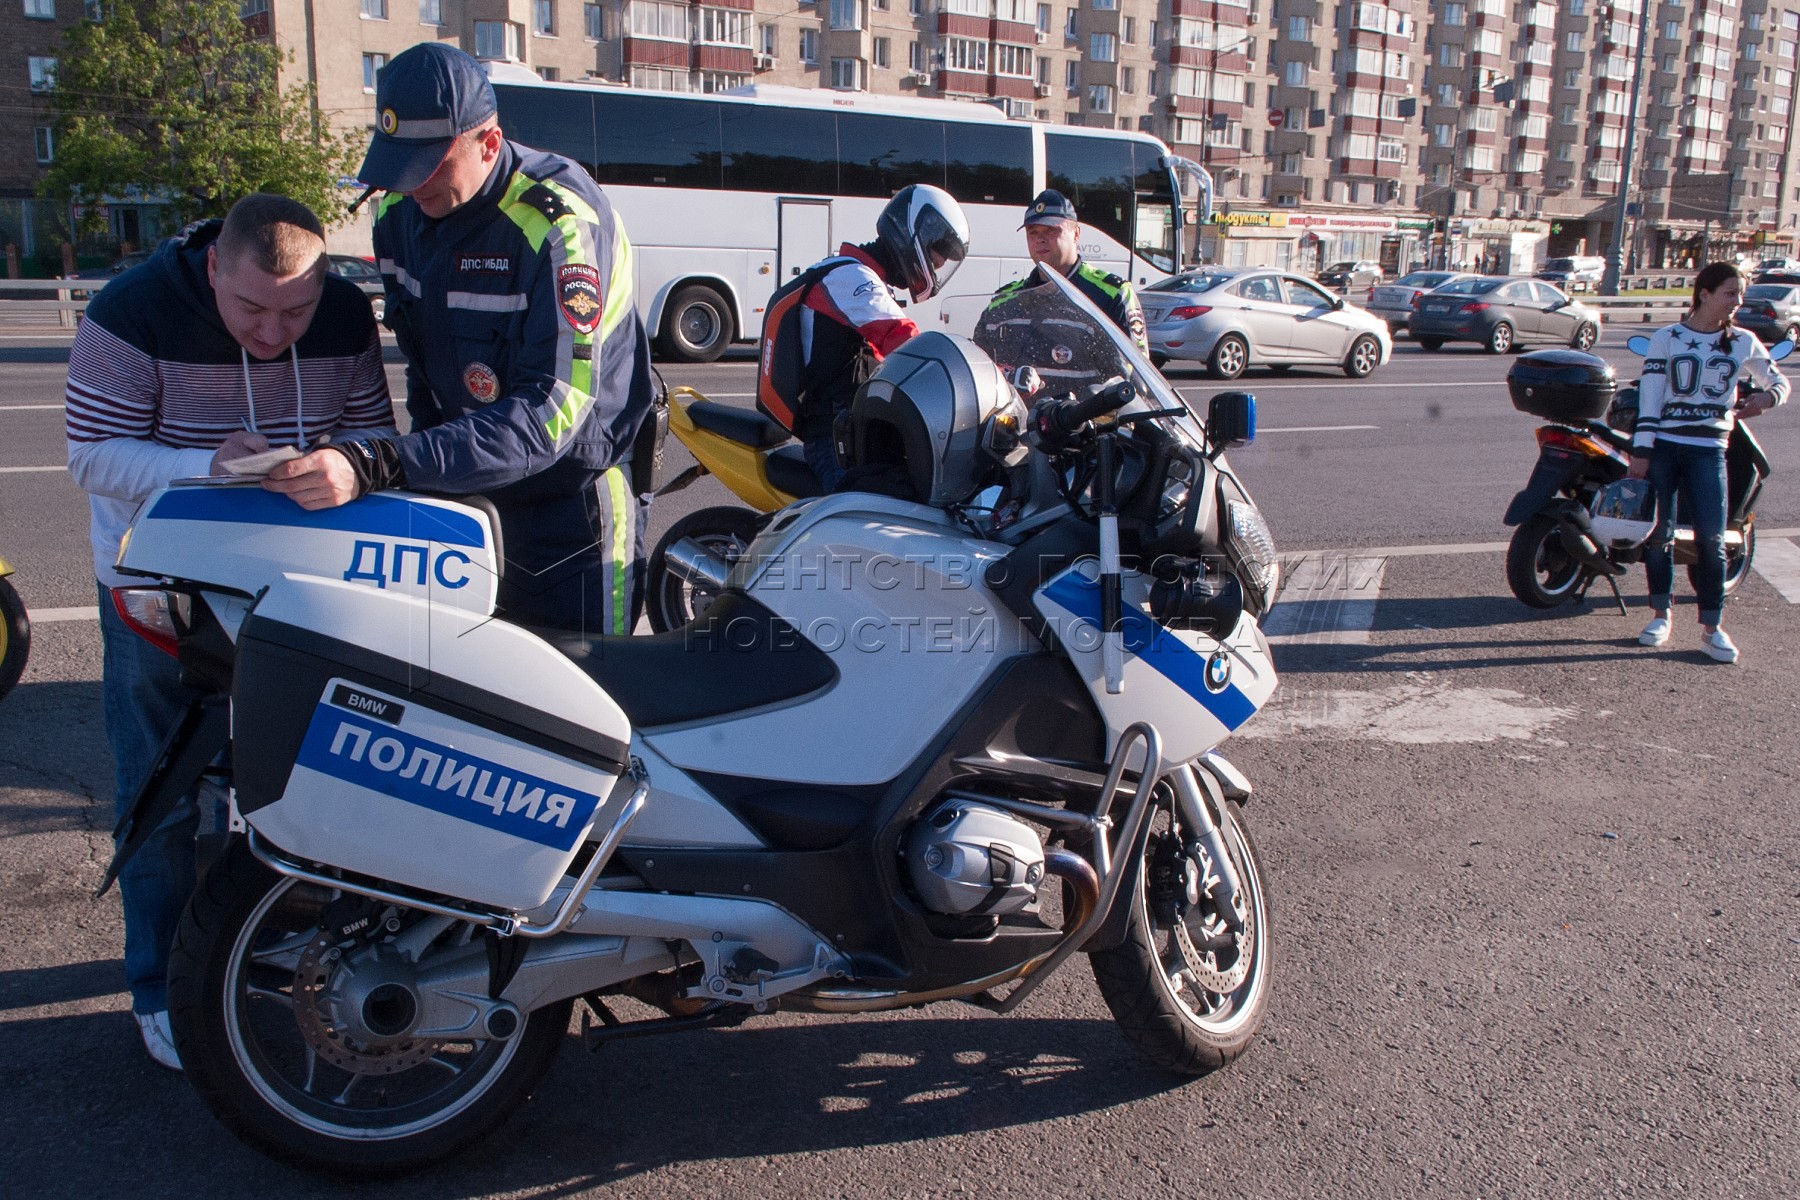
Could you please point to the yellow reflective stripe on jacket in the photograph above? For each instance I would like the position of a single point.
(623, 515)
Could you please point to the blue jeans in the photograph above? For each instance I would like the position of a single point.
(143, 697)
(821, 455)
(1697, 475)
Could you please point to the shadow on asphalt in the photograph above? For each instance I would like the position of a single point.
(60, 985)
(34, 354)
(633, 1109)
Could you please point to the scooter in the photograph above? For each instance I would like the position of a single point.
(918, 750)
(1554, 556)
(752, 456)
(15, 632)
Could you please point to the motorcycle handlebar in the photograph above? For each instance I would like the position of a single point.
(1065, 417)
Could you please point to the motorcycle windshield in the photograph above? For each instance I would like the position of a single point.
(1057, 331)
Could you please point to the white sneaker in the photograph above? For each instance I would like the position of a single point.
(159, 1039)
(1655, 633)
(1719, 647)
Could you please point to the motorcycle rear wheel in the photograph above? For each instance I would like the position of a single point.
(1540, 571)
(672, 601)
(234, 1004)
(15, 637)
(1159, 983)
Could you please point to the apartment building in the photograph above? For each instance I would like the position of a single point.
(1481, 133)
(35, 30)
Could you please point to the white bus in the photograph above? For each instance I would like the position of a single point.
(726, 195)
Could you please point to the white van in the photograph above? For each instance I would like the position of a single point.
(1578, 274)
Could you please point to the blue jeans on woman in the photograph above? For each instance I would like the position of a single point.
(143, 697)
(1697, 475)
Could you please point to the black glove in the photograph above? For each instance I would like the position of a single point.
(376, 463)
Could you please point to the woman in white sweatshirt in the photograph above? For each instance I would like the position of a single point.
(1687, 406)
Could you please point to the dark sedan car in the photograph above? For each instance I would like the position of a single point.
(361, 272)
(1501, 313)
(1771, 311)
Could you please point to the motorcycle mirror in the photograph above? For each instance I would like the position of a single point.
(1638, 344)
(1781, 350)
(1231, 419)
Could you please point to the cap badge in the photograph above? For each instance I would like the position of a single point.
(389, 122)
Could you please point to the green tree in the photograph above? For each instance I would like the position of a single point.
(180, 101)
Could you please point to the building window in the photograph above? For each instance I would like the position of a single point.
(43, 72)
(93, 10)
(665, 22)
(720, 81)
(725, 27)
(846, 14)
(549, 74)
(965, 54)
(1107, 5)
(372, 64)
(809, 47)
(45, 137)
(1043, 18)
(878, 52)
(1072, 76)
(1128, 30)
(41, 10)
(543, 18)
(661, 79)
(374, 10)
(431, 12)
(593, 22)
(915, 57)
(497, 40)
(1012, 60)
(915, 7)
(1103, 47)
(1100, 98)
(246, 10)
(1294, 74)
(846, 73)
(1127, 80)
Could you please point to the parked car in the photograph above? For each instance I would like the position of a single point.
(1351, 276)
(1233, 317)
(1788, 278)
(1579, 274)
(1502, 312)
(1768, 267)
(362, 272)
(124, 264)
(1771, 311)
(1394, 302)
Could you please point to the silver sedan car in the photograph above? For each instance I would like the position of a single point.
(1235, 317)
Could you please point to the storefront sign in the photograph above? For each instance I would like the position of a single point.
(1251, 219)
(1343, 223)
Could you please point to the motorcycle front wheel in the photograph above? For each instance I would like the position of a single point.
(1187, 990)
(1539, 569)
(15, 637)
(671, 600)
(252, 989)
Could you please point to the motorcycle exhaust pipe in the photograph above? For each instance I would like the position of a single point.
(1578, 540)
(1079, 873)
(693, 563)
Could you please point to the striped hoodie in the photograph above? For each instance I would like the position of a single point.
(1690, 385)
(156, 383)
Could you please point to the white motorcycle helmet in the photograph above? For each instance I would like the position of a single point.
(924, 230)
(1624, 513)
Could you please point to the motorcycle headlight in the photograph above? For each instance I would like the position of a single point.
(1251, 548)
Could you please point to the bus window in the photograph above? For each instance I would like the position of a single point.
(779, 149)
(1156, 230)
(877, 156)
(1096, 175)
(650, 140)
(549, 120)
(989, 164)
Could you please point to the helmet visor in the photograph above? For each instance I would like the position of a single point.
(941, 249)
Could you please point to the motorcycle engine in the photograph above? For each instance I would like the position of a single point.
(970, 859)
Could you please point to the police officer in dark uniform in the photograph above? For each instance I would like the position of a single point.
(509, 290)
(1052, 236)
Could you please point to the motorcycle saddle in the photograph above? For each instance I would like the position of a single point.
(737, 424)
(789, 473)
(739, 656)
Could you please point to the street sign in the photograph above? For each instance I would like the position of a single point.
(1276, 117)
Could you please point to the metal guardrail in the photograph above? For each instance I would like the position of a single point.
(65, 298)
(1643, 310)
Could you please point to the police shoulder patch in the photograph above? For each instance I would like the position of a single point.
(578, 295)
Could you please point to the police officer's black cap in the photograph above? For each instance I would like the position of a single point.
(424, 99)
(1050, 208)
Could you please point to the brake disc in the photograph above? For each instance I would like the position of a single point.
(1203, 965)
(314, 976)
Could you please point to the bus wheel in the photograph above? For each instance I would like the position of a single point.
(697, 325)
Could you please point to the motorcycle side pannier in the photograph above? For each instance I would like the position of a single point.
(1562, 385)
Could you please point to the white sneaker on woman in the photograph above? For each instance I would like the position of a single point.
(1719, 647)
(1655, 633)
(159, 1039)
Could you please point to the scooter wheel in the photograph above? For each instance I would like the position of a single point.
(15, 637)
(671, 601)
(1540, 571)
(1737, 563)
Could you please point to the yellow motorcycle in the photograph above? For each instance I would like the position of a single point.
(15, 632)
(752, 456)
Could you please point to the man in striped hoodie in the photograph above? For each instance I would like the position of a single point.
(231, 339)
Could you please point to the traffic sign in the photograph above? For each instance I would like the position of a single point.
(1276, 117)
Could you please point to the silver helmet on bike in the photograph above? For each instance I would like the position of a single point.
(940, 416)
(925, 233)
(1624, 513)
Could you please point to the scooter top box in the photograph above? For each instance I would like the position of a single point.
(1562, 385)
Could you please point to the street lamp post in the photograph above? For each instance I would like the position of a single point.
(1609, 282)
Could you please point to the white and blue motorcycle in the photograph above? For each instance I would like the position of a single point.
(929, 741)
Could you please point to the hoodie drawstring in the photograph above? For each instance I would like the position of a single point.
(299, 397)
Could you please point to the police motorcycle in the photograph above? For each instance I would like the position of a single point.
(923, 747)
(1568, 534)
(15, 632)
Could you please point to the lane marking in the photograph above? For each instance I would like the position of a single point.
(50, 616)
(1317, 428)
(1327, 599)
(30, 470)
(1778, 561)
(1409, 714)
(31, 408)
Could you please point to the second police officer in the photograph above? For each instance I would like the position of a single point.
(509, 291)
